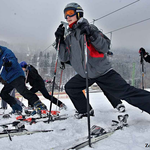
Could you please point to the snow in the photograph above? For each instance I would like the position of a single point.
(134, 137)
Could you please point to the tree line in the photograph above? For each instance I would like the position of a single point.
(125, 61)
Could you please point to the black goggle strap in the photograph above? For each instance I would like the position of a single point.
(78, 13)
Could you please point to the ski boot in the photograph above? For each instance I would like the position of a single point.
(121, 108)
(16, 109)
(97, 130)
(81, 115)
(62, 107)
(28, 110)
(39, 107)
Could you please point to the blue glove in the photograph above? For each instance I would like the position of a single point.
(6, 62)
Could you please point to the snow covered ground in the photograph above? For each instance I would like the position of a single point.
(134, 137)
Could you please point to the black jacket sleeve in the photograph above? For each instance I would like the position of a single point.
(34, 79)
(33, 72)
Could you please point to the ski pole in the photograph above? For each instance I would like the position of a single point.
(62, 68)
(0, 75)
(1, 70)
(87, 89)
(50, 108)
(142, 62)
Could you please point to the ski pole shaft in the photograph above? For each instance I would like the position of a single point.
(60, 82)
(53, 85)
(142, 62)
(1, 69)
(142, 79)
(87, 89)
(59, 85)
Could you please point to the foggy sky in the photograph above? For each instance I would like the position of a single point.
(35, 21)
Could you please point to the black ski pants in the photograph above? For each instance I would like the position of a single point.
(19, 85)
(114, 101)
(113, 84)
(4, 103)
(45, 93)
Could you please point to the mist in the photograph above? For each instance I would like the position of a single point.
(35, 22)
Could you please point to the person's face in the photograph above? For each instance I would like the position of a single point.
(72, 19)
(70, 16)
(24, 69)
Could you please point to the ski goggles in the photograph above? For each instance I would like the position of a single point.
(69, 13)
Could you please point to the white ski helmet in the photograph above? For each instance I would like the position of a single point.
(77, 8)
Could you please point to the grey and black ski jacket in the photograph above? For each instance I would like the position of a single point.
(72, 49)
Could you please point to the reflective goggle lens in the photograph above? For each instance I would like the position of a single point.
(69, 13)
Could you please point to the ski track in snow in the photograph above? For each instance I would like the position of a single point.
(133, 137)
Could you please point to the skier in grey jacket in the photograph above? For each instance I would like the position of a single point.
(99, 68)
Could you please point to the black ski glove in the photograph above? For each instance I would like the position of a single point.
(6, 62)
(2, 81)
(62, 65)
(88, 31)
(109, 53)
(60, 34)
(85, 28)
(142, 51)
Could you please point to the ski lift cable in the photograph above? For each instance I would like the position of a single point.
(102, 17)
(48, 47)
(115, 11)
(128, 25)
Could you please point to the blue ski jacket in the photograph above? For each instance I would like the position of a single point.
(9, 73)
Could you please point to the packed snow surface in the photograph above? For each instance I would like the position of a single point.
(134, 137)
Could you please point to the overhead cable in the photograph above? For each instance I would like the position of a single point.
(128, 25)
(115, 11)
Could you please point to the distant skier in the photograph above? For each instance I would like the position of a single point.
(145, 55)
(100, 70)
(37, 83)
(13, 75)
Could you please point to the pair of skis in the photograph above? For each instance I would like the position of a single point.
(97, 133)
(18, 128)
(45, 119)
(21, 131)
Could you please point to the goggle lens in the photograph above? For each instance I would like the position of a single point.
(69, 13)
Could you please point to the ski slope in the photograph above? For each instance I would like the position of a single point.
(134, 137)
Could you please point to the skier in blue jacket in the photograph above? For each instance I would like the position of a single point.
(13, 75)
